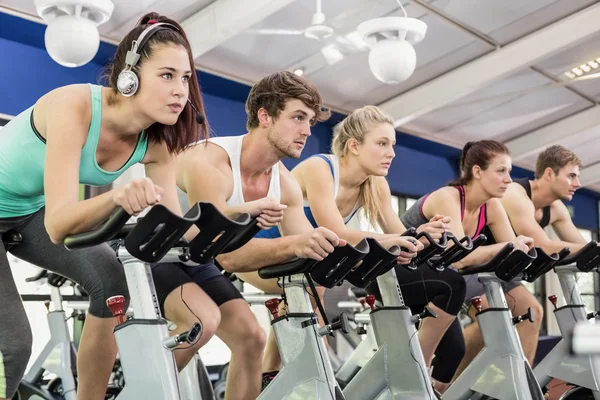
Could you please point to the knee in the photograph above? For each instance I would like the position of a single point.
(107, 283)
(209, 324)
(211, 321)
(450, 296)
(251, 341)
(538, 313)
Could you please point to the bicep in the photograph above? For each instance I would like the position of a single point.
(320, 195)
(439, 203)
(294, 220)
(205, 182)
(564, 227)
(499, 223)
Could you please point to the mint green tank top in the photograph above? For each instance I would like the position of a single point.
(23, 153)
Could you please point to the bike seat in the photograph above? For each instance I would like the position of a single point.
(11, 238)
(358, 292)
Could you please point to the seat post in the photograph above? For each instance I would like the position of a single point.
(296, 293)
(493, 290)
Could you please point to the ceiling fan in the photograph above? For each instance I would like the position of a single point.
(316, 30)
(335, 49)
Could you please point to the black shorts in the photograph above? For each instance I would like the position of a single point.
(169, 277)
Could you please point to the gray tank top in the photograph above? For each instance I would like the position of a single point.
(413, 217)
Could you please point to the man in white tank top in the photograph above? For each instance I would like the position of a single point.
(244, 174)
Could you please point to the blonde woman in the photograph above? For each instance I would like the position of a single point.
(335, 186)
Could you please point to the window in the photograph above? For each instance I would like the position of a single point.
(410, 202)
(586, 281)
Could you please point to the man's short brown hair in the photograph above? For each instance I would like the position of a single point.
(273, 91)
(555, 157)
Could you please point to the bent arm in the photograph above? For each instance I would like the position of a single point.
(67, 124)
(319, 188)
(521, 212)
(259, 252)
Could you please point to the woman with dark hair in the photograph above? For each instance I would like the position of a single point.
(472, 203)
(91, 134)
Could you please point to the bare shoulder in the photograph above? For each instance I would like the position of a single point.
(207, 154)
(204, 158)
(76, 99)
(444, 194)
(382, 185)
(559, 209)
(494, 205)
(514, 191)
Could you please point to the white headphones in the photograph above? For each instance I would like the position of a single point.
(128, 81)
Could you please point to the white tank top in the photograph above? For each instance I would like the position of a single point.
(233, 146)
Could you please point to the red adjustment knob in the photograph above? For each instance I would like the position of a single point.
(362, 301)
(553, 299)
(273, 306)
(476, 302)
(370, 299)
(117, 306)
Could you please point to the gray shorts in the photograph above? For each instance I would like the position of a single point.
(475, 288)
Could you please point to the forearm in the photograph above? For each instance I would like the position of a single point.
(258, 253)
(79, 217)
(354, 236)
(481, 255)
(234, 211)
(555, 246)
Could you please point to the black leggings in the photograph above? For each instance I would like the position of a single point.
(445, 290)
(96, 269)
(449, 353)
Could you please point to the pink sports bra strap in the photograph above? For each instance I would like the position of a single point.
(482, 212)
(482, 220)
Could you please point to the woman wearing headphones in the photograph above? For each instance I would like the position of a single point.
(91, 134)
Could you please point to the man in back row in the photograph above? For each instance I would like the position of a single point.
(531, 206)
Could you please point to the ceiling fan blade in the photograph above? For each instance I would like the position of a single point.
(287, 32)
(332, 54)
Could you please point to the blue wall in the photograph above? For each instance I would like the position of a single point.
(27, 72)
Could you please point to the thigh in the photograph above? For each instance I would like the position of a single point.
(96, 268)
(421, 286)
(269, 286)
(220, 290)
(190, 304)
(168, 277)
